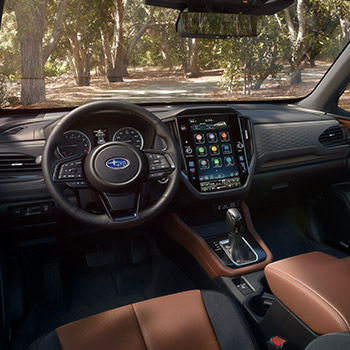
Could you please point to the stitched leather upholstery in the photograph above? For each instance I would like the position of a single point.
(315, 287)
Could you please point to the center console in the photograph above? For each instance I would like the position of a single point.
(210, 244)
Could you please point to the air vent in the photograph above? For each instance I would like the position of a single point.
(14, 131)
(333, 136)
(16, 162)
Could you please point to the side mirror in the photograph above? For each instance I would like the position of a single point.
(216, 25)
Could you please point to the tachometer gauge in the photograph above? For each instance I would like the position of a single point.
(129, 135)
(75, 143)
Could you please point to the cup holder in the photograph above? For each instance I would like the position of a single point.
(259, 304)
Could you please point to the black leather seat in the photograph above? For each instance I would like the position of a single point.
(205, 320)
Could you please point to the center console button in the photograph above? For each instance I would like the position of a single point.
(239, 145)
(188, 150)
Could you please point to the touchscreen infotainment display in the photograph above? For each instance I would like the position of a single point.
(213, 151)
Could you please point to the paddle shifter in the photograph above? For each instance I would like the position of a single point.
(236, 246)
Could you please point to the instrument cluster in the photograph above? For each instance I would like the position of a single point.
(78, 143)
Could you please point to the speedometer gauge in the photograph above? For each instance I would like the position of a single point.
(75, 143)
(129, 135)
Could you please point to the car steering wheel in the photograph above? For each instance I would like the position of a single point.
(117, 171)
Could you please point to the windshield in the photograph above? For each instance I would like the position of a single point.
(62, 53)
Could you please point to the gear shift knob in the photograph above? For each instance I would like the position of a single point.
(234, 221)
(236, 247)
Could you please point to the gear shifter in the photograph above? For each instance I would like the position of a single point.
(234, 222)
(236, 247)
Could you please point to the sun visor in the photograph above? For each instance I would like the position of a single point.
(253, 7)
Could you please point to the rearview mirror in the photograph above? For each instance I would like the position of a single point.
(216, 25)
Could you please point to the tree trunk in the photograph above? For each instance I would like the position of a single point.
(194, 70)
(107, 52)
(246, 78)
(165, 50)
(295, 76)
(32, 70)
(345, 30)
(81, 59)
(31, 24)
(71, 63)
(184, 60)
(135, 40)
(87, 74)
(30, 19)
(56, 31)
(116, 75)
(298, 41)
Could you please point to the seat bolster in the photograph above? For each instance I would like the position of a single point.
(334, 341)
(48, 341)
(228, 322)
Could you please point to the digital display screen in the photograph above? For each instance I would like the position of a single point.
(213, 148)
(100, 136)
(213, 151)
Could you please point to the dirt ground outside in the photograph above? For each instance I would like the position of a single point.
(151, 85)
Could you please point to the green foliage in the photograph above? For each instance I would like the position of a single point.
(55, 67)
(245, 62)
(249, 61)
(10, 57)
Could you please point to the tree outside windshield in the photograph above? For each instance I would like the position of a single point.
(62, 53)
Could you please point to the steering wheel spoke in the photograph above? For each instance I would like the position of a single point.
(160, 164)
(69, 172)
(121, 206)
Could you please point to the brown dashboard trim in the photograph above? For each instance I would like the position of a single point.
(344, 122)
(183, 234)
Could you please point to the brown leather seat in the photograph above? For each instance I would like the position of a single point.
(203, 320)
(315, 287)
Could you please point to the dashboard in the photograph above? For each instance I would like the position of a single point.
(228, 151)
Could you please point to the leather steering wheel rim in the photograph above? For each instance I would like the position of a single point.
(49, 162)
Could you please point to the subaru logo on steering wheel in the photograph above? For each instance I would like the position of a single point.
(117, 163)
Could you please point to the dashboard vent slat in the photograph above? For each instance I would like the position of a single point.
(333, 136)
(16, 162)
